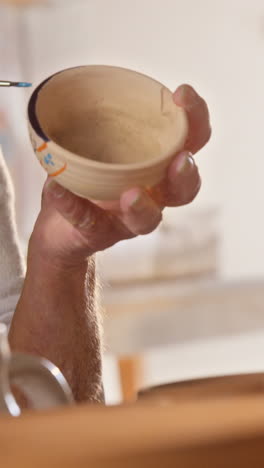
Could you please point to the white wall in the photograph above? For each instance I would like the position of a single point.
(216, 45)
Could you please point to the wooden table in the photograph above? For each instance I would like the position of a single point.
(215, 433)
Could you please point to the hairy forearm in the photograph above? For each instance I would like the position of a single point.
(56, 318)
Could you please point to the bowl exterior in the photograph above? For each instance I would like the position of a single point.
(53, 164)
(97, 182)
(90, 179)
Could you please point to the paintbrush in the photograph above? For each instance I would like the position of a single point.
(17, 84)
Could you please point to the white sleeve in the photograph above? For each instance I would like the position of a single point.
(11, 261)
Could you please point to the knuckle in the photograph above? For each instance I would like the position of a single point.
(76, 212)
(69, 206)
(86, 221)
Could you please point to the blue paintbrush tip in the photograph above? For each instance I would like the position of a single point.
(24, 85)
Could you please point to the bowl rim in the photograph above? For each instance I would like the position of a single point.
(200, 382)
(86, 162)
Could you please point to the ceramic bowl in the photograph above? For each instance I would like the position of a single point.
(215, 388)
(100, 130)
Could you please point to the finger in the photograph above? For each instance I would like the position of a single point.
(181, 185)
(140, 213)
(98, 229)
(184, 180)
(198, 116)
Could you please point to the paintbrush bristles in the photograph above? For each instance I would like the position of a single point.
(18, 84)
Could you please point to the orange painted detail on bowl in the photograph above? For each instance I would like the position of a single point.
(60, 171)
(42, 147)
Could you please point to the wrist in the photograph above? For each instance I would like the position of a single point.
(55, 266)
(61, 253)
(55, 270)
(51, 295)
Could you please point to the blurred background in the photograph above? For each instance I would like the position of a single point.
(188, 300)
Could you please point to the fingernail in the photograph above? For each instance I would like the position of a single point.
(186, 96)
(55, 189)
(184, 163)
(140, 202)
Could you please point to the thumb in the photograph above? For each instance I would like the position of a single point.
(79, 212)
(98, 228)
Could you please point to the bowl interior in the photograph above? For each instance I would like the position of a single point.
(110, 115)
